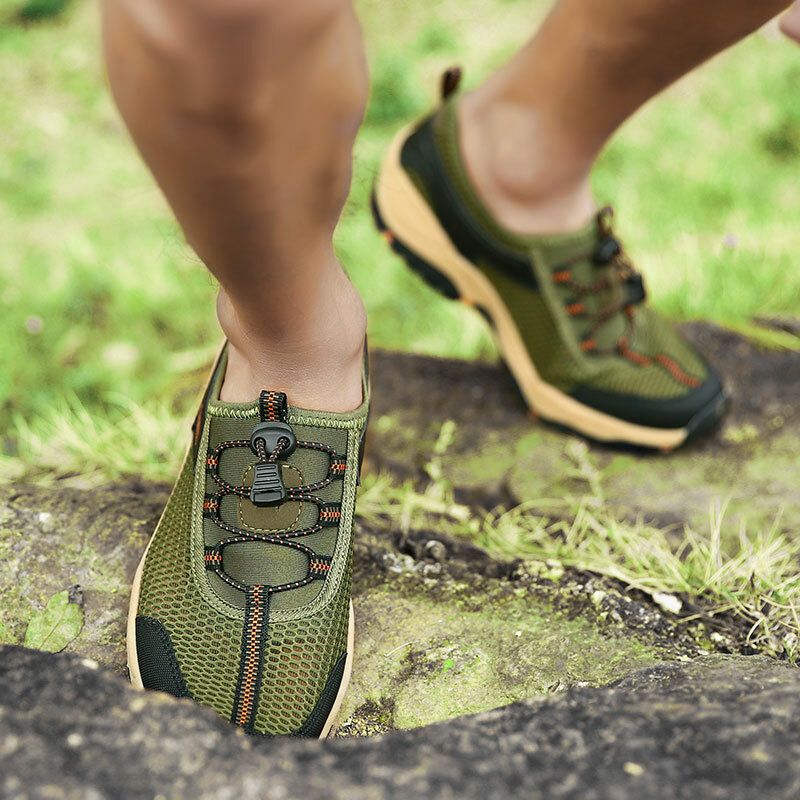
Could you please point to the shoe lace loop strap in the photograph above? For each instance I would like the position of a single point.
(272, 407)
(329, 514)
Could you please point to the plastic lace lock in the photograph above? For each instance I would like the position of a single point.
(606, 249)
(636, 291)
(270, 433)
(267, 488)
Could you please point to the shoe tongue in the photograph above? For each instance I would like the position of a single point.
(258, 562)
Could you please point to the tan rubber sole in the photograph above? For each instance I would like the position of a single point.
(133, 659)
(406, 215)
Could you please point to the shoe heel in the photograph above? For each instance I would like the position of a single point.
(432, 276)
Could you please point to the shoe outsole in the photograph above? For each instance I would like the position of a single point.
(443, 268)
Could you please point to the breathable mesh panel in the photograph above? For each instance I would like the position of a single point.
(553, 360)
(650, 382)
(654, 335)
(299, 654)
(206, 644)
(298, 660)
(560, 366)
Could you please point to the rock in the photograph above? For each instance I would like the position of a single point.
(52, 538)
(790, 325)
(717, 727)
(435, 550)
(444, 628)
(450, 647)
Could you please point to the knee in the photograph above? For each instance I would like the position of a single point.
(226, 25)
(227, 65)
(221, 51)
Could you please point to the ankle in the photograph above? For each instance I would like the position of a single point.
(532, 179)
(317, 363)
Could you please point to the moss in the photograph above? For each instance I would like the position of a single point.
(15, 610)
(54, 539)
(753, 480)
(370, 718)
(445, 657)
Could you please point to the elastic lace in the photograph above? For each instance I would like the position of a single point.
(616, 272)
(328, 513)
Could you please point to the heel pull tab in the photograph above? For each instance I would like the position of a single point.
(451, 78)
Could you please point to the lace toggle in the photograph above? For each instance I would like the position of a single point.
(270, 441)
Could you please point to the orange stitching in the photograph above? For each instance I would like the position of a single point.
(251, 665)
(674, 369)
(637, 358)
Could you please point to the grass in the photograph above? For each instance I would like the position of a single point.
(102, 299)
(74, 446)
(747, 579)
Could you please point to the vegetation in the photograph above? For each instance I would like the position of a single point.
(105, 305)
(742, 581)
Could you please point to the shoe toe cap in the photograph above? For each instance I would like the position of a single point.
(156, 659)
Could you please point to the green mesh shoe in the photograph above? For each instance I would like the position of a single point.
(567, 311)
(242, 599)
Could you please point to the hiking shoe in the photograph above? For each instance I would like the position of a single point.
(567, 310)
(242, 598)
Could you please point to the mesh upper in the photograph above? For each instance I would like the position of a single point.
(307, 628)
(551, 335)
(298, 660)
(207, 644)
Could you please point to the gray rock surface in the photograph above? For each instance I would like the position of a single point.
(468, 632)
(718, 727)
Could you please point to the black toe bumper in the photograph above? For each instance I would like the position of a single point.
(698, 410)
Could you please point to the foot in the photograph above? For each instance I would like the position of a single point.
(568, 310)
(316, 359)
(530, 181)
(242, 599)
